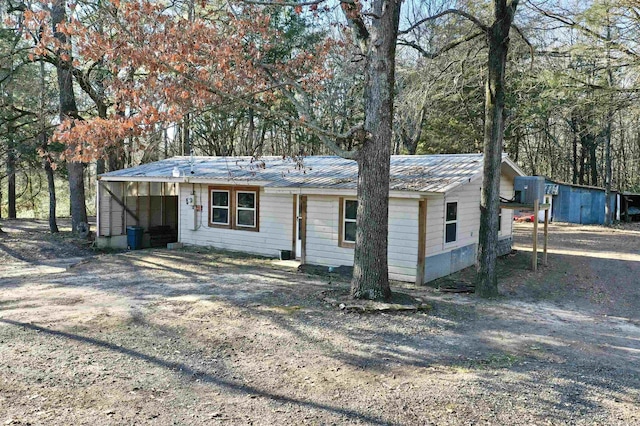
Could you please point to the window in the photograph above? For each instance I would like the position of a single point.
(347, 229)
(451, 223)
(234, 207)
(220, 207)
(245, 209)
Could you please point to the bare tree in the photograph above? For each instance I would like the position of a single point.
(69, 109)
(498, 41)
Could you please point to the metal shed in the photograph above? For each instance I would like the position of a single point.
(579, 203)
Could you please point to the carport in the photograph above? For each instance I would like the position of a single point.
(630, 207)
(152, 206)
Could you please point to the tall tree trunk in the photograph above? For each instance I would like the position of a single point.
(11, 172)
(7, 87)
(583, 155)
(251, 132)
(187, 147)
(101, 163)
(574, 177)
(371, 271)
(11, 150)
(608, 172)
(186, 134)
(116, 153)
(498, 41)
(46, 159)
(69, 110)
(1, 231)
(608, 217)
(51, 185)
(593, 161)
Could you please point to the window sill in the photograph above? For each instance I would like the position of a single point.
(346, 244)
(451, 245)
(219, 225)
(234, 228)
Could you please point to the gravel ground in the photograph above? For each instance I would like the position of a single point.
(205, 337)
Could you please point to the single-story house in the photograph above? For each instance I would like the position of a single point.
(273, 204)
(579, 203)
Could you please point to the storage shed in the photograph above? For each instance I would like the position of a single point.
(307, 207)
(579, 203)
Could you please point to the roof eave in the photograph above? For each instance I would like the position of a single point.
(512, 164)
(183, 179)
(302, 190)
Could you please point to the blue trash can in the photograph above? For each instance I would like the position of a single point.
(134, 237)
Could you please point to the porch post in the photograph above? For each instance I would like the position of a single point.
(422, 240)
(303, 231)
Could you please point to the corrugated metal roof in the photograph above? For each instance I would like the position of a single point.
(424, 173)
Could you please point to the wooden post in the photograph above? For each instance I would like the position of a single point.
(137, 198)
(149, 205)
(422, 240)
(124, 208)
(534, 255)
(110, 207)
(98, 218)
(626, 210)
(546, 236)
(303, 231)
(162, 204)
(294, 235)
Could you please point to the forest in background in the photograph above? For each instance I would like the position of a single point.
(572, 85)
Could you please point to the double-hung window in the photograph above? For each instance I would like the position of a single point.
(234, 207)
(451, 223)
(347, 231)
(246, 209)
(220, 207)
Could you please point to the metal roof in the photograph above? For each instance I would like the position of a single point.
(576, 185)
(421, 173)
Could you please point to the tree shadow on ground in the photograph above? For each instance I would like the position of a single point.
(192, 373)
(462, 333)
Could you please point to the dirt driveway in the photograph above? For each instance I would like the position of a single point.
(203, 337)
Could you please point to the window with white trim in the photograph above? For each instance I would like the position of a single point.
(349, 221)
(451, 222)
(245, 209)
(220, 207)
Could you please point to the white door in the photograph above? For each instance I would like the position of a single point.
(298, 227)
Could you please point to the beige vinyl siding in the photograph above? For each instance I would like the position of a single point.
(322, 236)
(468, 218)
(111, 213)
(506, 191)
(435, 225)
(468, 198)
(276, 225)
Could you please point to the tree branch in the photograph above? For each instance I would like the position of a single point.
(305, 109)
(444, 49)
(356, 23)
(586, 30)
(458, 12)
(526, 40)
(284, 3)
